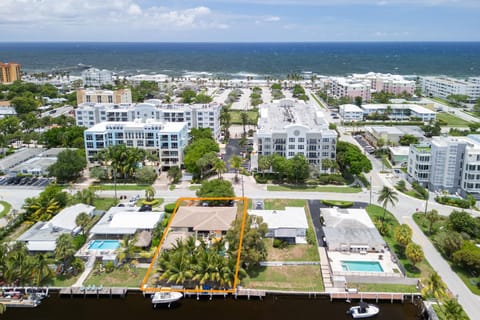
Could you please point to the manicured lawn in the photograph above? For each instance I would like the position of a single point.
(6, 208)
(63, 281)
(236, 117)
(104, 203)
(383, 287)
(451, 120)
(288, 278)
(121, 186)
(422, 269)
(280, 204)
(193, 188)
(315, 189)
(297, 252)
(415, 194)
(386, 163)
(442, 101)
(117, 278)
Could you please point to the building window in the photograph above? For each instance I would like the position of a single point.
(291, 139)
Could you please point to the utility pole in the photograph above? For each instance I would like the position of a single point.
(243, 188)
(371, 187)
(426, 201)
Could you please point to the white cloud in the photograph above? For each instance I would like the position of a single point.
(134, 9)
(457, 3)
(271, 19)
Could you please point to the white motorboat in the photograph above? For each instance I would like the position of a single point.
(166, 297)
(363, 310)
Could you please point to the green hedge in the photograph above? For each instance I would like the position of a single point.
(151, 203)
(170, 207)
(456, 202)
(338, 203)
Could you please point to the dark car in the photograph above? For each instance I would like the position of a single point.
(145, 207)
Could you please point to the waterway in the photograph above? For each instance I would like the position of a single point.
(135, 306)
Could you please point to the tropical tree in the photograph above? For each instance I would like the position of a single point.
(244, 118)
(452, 310)
(41, 210)
(69, 165)
(220, 167)
(401, 186)
(86, 196)
(41, 272)
(403, 234)
(414, 253)
(145, 175)
(236, 163)
(432, 216)
(264, 163)
(175, 174)
(64, 249)
(434, 286)
(17, 269)
(127, 249)
(387, 195)
(149, 193)
(82, 220)
(449, 242)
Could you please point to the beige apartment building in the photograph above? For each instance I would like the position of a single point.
(104, 96)
(9, 72)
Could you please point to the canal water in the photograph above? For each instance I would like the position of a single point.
(135, 306)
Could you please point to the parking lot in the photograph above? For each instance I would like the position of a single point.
(25, 181)
(365, 145)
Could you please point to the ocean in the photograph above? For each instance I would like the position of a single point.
(257, 60)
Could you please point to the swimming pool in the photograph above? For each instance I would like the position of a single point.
(104, 245)
(365, 266)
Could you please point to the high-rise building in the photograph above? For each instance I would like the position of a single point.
(10, 72)
(442, 87)
(104, 96)
(94, 77)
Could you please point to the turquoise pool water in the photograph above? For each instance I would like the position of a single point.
(104, 245)
(366, 266)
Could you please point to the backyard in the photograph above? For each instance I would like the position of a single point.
(119, 277)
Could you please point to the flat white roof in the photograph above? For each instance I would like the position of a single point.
(123, 220)
(399, 151)
(66, 218)
(385, 129)
(350, 108)
(291, 217)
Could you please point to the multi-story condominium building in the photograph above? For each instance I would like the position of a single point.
(442, 87)
(394, 84)
(447, 163)
(350, 112)
(348, 87)
(166, 140)
(104, 96)
(94, 77)
(288, 128)
(10, 72)
(196, 115)
(400, 111)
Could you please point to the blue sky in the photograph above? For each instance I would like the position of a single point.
(239, 20)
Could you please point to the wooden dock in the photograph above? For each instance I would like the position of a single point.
(19, 303)
(93, 292)
(375, 296)
(243, 292)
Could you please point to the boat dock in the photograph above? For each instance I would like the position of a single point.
(243, 292)
(374, 296)
(19, 303)
(92, 291)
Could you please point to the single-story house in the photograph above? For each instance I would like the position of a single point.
(399, 155)
(289, 225)
(42, 236)
(350, 230)
(202, 222)
(121, 221)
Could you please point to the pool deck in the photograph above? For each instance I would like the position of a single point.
(388, 266)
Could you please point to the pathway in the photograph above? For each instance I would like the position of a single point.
(88, 268)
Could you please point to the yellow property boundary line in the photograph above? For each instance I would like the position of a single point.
(143, 285)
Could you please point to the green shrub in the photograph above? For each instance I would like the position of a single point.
(170, 207)
(79, 240)
(279, 244)
(421, 190)
(109, 266)
(331, 179)
(150, 203)
(451, 201)
(338, 203)
(311, 236)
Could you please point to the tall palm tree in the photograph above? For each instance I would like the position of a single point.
(41, 210)
(236, 163)
(432, 216)
(41, 272)
(220, 167)
(127, 249)
(82, 220)
(434, 286)
(149, 193)
(244, 118)
(17, 264)
(387, 195)
(64, 249)
(264, 163)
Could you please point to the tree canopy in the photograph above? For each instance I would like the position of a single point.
(216, 188)
(69, 165)
(350, 158)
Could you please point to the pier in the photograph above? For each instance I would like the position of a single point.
(374, 296)
(93, 292)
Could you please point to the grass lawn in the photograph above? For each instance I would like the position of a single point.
(442, 101)
(386, 163)
(302, 188)
(280, 204)
(6, 208)
(415, 194)
(117, 278)
(383, 287)
(193, 188)
(236, 117)
(63, 281)
(104, 203)
(469, 280)
(121, 186)
(451, 120)
(422, 269)
(288, 278)
(297, 252)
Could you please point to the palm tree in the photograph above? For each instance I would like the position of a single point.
(220, 167)
(82, 220)
(127, 249)
(149, 193)
(65, 248)
(432, 216)
(387, 195)
(414, 253)
(43, 211)
(264, 163)
(244, 118)
(86, 196)
(41, 272)
(236, 163)
(403, 234)
(452, 310)
(435, 287)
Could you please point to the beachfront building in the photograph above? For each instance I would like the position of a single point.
(351, 88)
(289, 225)
(42, 236)
(390, 83)
(10, 72)
(204, 223)
(289, 127)
(94, 77)
(442, 87)
(447, 163)
(195, 115)
(167, 140)
(91, 95)
(400, 111)
(350, 112)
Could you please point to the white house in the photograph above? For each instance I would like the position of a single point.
(350, 112)
(289, 225)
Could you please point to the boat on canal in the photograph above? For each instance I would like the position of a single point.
(363, 310)
(166, 298)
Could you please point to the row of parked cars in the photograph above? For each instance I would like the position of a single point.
(365, 145)
(25, 181)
